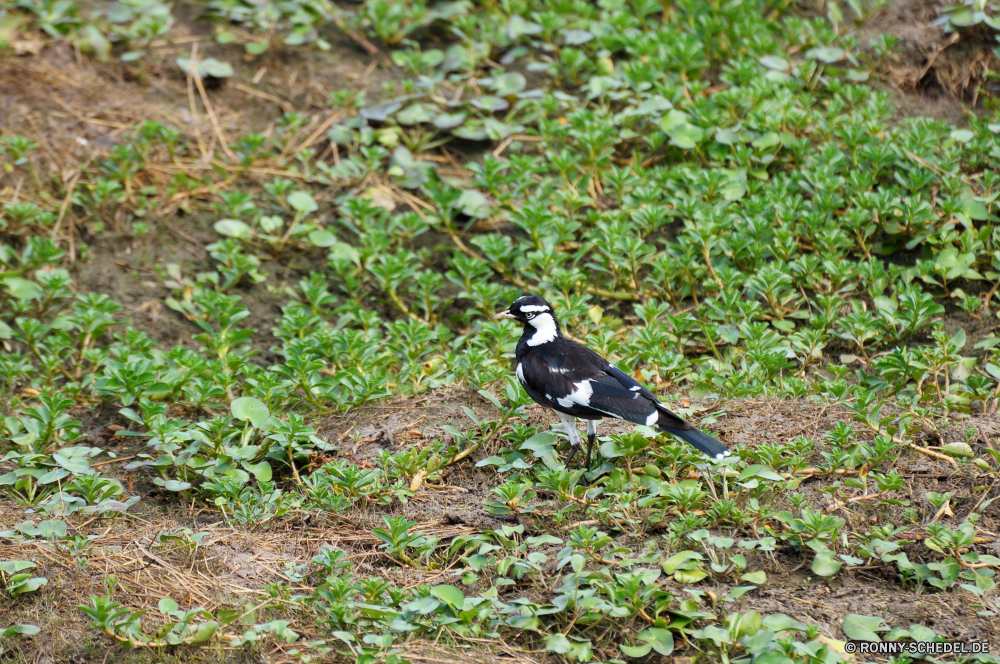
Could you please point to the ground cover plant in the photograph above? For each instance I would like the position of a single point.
(254, 409)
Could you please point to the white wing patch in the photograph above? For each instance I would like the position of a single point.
(651, 420)
(520, 373)
(578, 397)
(635, 389)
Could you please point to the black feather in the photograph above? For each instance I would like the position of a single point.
(699, 440)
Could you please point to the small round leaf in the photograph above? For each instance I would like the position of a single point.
(249, 408)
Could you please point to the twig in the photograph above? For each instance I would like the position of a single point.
(932, 453)
(82, 118)
(515, 137)
(285, 106)
(223, 143)
(195, 122)
(333, 117)
(985, 494)
(64, 207)
(105, 463)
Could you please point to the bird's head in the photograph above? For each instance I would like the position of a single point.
(530, 310)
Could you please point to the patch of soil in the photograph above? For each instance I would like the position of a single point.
(935, 74)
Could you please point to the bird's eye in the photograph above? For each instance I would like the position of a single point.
(529, 315)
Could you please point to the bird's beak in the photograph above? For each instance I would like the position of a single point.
(502, 314)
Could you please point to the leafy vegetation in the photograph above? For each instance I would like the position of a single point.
(708, 193)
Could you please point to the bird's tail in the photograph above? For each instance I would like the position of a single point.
(699, 440)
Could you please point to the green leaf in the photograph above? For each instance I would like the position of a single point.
(346, 637)
(509, 84)
(975, 210)
(541, 445)
(775, 63)
(673, 119)
(257, 47)
(558, 643)
(232, 228)
(474, 204)
(758, 470)
(757, 578)
(779, 622)
(261, 470)
(343, 252)
(518, 26)
(11, 567)
(450, 595)
(380, 112)
(958, 450)
(28, 586)
(302, 201)
(167, 606)
(52, 529)
(75, 465)
(204, 632)
(863, 628)
(826, 564)
(449, 120)
(28, 630)
(422, 606)
(416, 113)
(91, 41)
(636, 651)
(689, 576)
(827, 54)
(216, 68)
(22, 289)
(661, 640)
(207, 67)
(687, 136)
(322, 238)
(250, 408)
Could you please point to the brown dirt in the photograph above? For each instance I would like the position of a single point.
(933, 73)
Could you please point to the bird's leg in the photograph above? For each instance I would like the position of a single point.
(569, 423)
(591, 437)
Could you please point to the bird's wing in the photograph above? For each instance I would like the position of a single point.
(667, 418)
(574, 379)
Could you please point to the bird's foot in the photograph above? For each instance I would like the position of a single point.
(572, 453)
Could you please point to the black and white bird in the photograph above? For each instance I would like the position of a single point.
(576, 382)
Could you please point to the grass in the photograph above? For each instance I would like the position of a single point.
(284, 427)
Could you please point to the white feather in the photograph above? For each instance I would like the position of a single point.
(520, 373)
(569, 423)
(651, 420)
(578, 397)
(545, 330)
